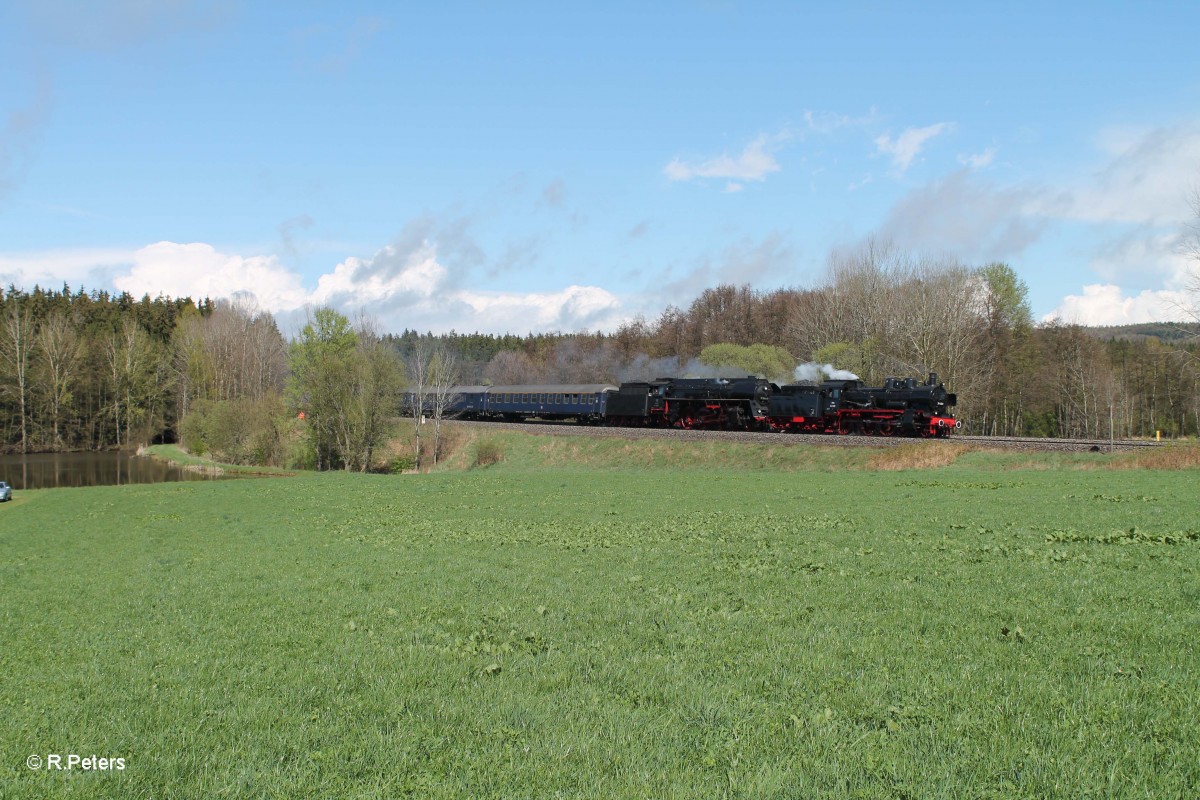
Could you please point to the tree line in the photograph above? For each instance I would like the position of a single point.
(882, 313)
(84, 371)
(81, 371)
(91, 371)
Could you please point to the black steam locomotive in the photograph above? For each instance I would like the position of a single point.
(901, 407)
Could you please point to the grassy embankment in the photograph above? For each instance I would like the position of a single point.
(175, 454)
(576, 621)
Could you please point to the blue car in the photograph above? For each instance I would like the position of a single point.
(5, 491)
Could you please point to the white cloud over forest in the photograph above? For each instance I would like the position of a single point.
(404, 285)
(1109, 304)
(1130, 208)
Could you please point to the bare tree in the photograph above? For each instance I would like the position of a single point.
(246, 349)
(16, 349)
(443, 375)
(432, 374)
(1191, 304)
(193, 368)
(61, 353)
(511, 367)
(417, 368)
(134, 369)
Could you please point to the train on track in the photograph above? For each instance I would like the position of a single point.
(901, 407)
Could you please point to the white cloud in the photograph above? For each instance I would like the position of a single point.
(968, 216)
(413, 289)
(22, 128)
(382, 279)
(404, 285)
(827, 122)
(572, 308)
(1145, 253)
(1132, 203)
(115, 25)
(1146, 178)
(856, 185)
(757, 159)
(51, 269)
(746, 260)
(979, 160)
(198, 270)
(1107, 304)
(754, 163)
(908, 145)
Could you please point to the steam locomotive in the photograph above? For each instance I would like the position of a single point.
(901, 407)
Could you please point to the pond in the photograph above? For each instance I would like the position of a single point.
(47, 470)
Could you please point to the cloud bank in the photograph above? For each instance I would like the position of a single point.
(1108, 304)
(400, 286)
(1130, 212)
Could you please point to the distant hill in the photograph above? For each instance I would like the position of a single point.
(1163, 331)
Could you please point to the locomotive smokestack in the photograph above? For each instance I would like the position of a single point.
(933, 381)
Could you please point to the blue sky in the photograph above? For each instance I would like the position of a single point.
(541, 166)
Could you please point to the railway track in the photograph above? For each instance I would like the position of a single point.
(1006, 442)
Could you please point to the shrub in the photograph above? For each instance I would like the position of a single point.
(193, 430)
(488, 452)
(238, 431)
(404, 463)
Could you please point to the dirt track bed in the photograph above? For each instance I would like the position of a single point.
(572, 429)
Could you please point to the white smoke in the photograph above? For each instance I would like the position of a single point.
(698, 369)
(644, 368)
(812, 373)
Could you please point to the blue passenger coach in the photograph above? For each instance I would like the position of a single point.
(584, 402)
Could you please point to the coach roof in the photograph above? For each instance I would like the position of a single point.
(561, 388)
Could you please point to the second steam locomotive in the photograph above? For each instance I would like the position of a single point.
(901, 407)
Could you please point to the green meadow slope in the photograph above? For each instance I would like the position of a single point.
(542, 628)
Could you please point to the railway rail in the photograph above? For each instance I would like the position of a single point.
(556, 428)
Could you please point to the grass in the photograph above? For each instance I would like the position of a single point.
(174, 454)
(542, 628)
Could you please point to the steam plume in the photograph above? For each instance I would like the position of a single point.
(812, 372)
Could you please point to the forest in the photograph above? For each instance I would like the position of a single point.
(93, 370)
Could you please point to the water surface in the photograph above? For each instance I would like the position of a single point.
(47, 470)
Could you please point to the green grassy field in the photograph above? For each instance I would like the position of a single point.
(543, 629)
